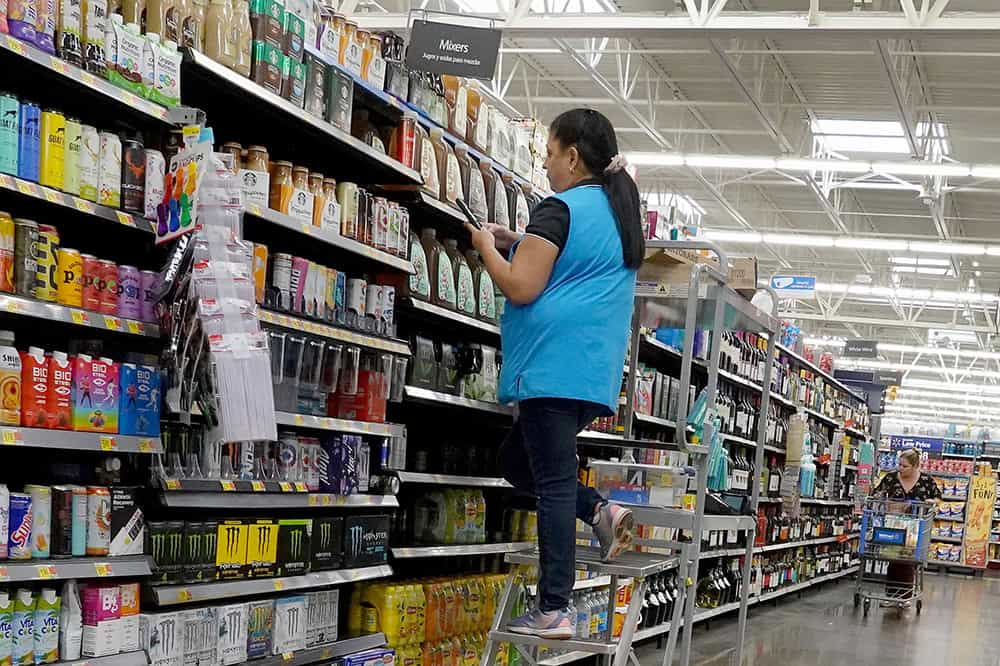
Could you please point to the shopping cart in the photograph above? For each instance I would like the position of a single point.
(893, 531)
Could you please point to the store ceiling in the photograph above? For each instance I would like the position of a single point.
(756, 80)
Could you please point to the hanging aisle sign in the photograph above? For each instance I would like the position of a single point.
(978, 520)
(860, 349)
(443, 48)
(794, 286)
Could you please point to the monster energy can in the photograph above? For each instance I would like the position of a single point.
(194, 542)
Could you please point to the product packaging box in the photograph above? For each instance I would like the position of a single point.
(368, 404)
(366, 540)
(267, 20)
(293, 546)
(129, 616)
(139, 412)
(59, 401)
(260, 628)
(338, 465)
(95, 394)
(232, 634)
(266, 66)
(34, 388)
(327, 543)
(289, 624)
(231, 550)
(102, 634)
(199, 551)
(293, 81)
(165, 543)
(162, 637)
(128, 527)
(322, 613)
(376, 657)
(339, 98)
(262, 548)
(201, 639)
(315, 85)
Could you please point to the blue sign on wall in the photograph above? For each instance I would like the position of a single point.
(922, 444)
(794, 286)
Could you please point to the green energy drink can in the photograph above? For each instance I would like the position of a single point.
(25, 264)
(9, 127)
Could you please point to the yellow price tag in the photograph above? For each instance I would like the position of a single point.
(108, 443)
(254, 209)
(10, 436)
(58, 65)
(228, 486)
(125, 218)
(52, 197)
(285, 486)
(5, 181)
(102, 569)
(26, 188)
(112, 323)
(279, 585)
(79, 317)
(46, 571)
(327, 500)
(257, 486)
(184, 595)
(327, 653)
(300, 487)
(4, 575)
(83, 205)
(299, 420)
(134, 327)
(12, 306)
(314, 500)
(145, 446)
(173, 484)
(16, 46)
(287, 656)
(307, 229)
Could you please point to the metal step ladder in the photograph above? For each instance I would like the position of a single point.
(616, 651)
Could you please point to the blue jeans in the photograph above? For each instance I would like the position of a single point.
(544, 436)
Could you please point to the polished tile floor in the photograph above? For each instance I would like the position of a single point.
(959, 626)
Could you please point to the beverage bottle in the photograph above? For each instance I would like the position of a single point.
(582, 618)
(10, 380)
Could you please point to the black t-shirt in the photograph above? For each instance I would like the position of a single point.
(924, 489)
(550, 219)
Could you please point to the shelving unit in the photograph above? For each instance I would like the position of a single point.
(25, 571)
(340, 425)
(261, 501)
(413, 552)
(41, 438)
(27, 307)
(427, 396)
(303, 325)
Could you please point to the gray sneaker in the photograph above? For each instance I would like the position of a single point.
(613, 528)
(558, 624)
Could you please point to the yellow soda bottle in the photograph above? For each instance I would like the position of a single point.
(421, 620)
(354, 612)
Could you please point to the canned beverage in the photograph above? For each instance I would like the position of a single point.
(70, 286)
(25, 265)
(90, 150)
(340, 297)
(259, 271)
(109, 171)
(41, 519)
(98, 520)
(330, 294)
(388, 310)
(45, 263)
(392, 241)
(357, 290)
(133, 176)
(129, 292)
(307, 281)
(109, 287)
(347, 197)
(380, 223)
(62, 521)
(319, 290)
(156, 168)
(297, 283)
(6, 253)
(29, 140)
(403, 246)
(91, 291)
(52, 153)
(79, 521)
(373, 308)
(71, 162)
(289, 455)
(4, 520)
(19, 527)
(281, 280)
(366, 217)
(149, 281)
(10, 128)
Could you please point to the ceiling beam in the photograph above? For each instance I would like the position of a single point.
(874, 321)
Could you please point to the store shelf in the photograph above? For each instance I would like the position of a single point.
(821, 417)
(950, 519)
(580, 584)
(825, 502)
(960, 455)
(230, 485)
(41, 438)
(172, 595)
(782, 400)
(340, 425)
(655, 421)
(333, 333)
(445, 314)
(740, 381)
(293, 500)
(690, 471)
(211, 86)
(80, 77)
(29, 307)
(947, 539)
(427, 396)
(665, 516)
(827, 377)
(943, 474)
(137, 658)
(954, 498)
(804, 542)
(125, 566)
(328, 237)
(323, 653)
(414, 552)
(725, 552)
(452, 480)
(601, 436)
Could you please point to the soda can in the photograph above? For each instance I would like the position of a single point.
(133, 176)
(149, 281)
(330, 294)
(392, 240)
(129, 292)
(62, 521)
(52, 151)
(281, 280)
(46, 250)
(297, 283)
(6, 254)
(41, 519)
(90, 150)
(80, 500)
(340, 297)
(19, 539)
(71, 161)
(289, 457)
(373, 308)
(109, 171)
(9, 129)
(403, 249)
(388, 310)
(91, 291)
(29, 141)
(259, 271)
(25, 264)
(109, 287)
(347, 197)
(98, 520)
(4, 519)
(366, 217)
(357, 290)
(70, 285)
(380, 223)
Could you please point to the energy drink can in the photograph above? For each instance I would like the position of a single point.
(289, 455)
(388, 326)
(98, 520)
(91, 290)
(71, 161)
(403, 249)
(357, 290)
(149, 281)
(109, 287)
(29, 140)
(297, 283)
(156, 167)
(109, 171)
(281, 280)
(70, 285)
(373, 308)
(90, 150)
(4, 519)
(9, 130)
(52, 154)
(19, 536)
(133, 176)
(25, 264)
(129, 292)
(62, 521)
(80, 501)
(259, 271)
(46, 278)
(6, 253)
(41, 519)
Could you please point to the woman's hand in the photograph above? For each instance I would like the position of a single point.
(482, 239)
(504, 236)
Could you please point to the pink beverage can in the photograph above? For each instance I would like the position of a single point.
(91, 282)
(149, 281)
(129, 292)
(403, 246)
(109, 287)
(297, 286)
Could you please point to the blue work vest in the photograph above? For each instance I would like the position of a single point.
(571, 341)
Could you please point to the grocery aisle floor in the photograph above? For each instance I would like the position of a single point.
(960, 624)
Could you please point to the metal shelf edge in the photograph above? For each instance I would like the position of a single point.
(452, 479)
(29, 307)
(430, 396)
(296, 323)
(413, 552)
(339, 425)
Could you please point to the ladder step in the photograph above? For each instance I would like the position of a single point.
(590, 647)
(589, 559)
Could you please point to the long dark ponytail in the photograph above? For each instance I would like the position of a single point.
(595, 141)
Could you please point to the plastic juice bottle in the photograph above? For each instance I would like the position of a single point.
(354, 612)
(10, 380)
(480, 517)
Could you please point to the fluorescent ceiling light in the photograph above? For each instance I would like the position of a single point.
(799, 239)
(656, 159)
(923, 168)
(869, 364)
(947, 248)
(734, 236)
(921, 261)
(871, 243)
(881, 244)
(985, 171)
(729, 162)
(921, 270)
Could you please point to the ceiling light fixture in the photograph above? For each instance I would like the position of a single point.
(854, 243)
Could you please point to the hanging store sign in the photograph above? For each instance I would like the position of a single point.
(922, 444)
(889, 377)
(443, 48)
(978, 520)
(860, 349)
(794, 286)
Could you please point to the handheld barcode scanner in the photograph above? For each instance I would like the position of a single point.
(462, 206)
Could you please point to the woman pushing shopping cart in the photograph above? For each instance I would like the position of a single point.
(895, 537)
